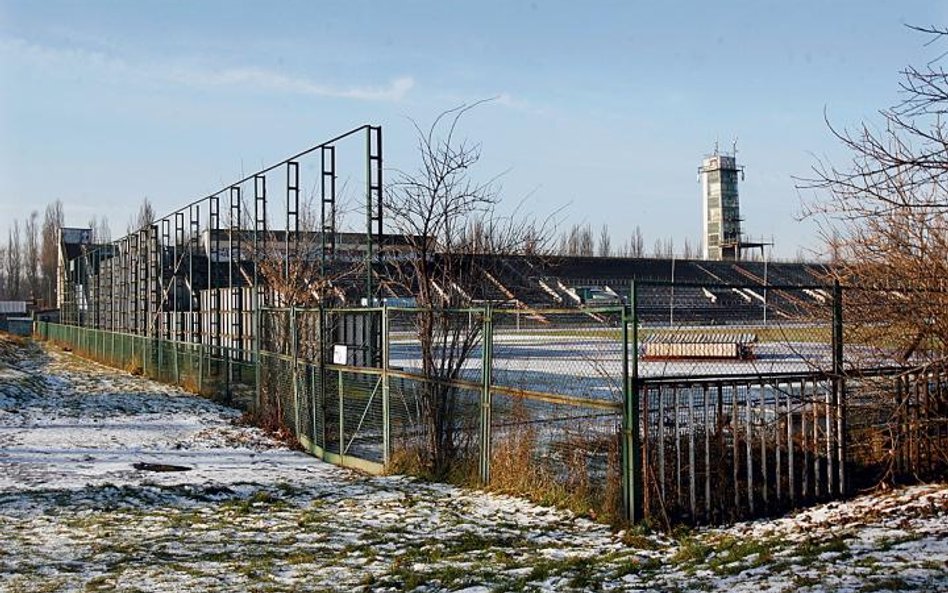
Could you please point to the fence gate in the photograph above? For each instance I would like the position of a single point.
(352, 395)
(321, 374)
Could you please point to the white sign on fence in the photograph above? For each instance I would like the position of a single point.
(340, 354)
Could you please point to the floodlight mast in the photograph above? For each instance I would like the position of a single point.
(373, 203)
(373, 222)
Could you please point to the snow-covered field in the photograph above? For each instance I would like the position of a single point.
(591, 367)
(76, 514)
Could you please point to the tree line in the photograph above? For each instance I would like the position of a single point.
(581, 240)
(29, 257)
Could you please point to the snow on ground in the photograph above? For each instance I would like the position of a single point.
(252, 515)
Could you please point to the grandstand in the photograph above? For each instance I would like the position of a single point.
(669, 290)
(206, 273)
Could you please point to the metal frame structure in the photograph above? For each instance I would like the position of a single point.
(167, 280)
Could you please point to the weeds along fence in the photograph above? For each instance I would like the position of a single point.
(721, 449)
(650, 411)
(223, 374)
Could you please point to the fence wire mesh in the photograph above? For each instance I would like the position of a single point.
(744, 399)
(562, 352)
(567, 453)
(733, 329)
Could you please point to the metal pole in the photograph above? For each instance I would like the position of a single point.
(259, 238)
(839, 386)
(323, 389)
(765, 288)
(631, 446)
(341, 416)
(487, 339)
(294, 344)
(386, 411)
(368, 218)
(257, 363)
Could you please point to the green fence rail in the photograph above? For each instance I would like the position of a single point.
(642, 411)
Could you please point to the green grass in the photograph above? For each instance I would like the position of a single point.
(810, 550)
(636, 566)
(734, 556)
(691, 550)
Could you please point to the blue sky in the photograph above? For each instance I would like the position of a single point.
(603, 109)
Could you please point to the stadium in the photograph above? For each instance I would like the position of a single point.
(675, 389)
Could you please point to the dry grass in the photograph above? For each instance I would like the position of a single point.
(579, 469)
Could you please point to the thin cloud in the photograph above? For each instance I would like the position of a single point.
(73, 60)
(518, 104)
(266, 79)
(18, 51)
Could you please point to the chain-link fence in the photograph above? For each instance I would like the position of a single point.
(739, 388)
(529, 402)
(219, 373)
(556, 406)
(688, 404)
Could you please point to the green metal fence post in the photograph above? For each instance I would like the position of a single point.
(202, 350)
(631, 445)
(228, 354)
(839, 387)
(177, 368)
(294, 345)
(487, 355)
(159, 347)
(386, 420)
(341, 418)
(256, 346)
(322, 390)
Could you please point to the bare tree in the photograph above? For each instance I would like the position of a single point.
(450, 222)
(144, 218)
(299, 279)
(586, 242)
(14, 263)
(101, 232)
(884, 215)
(637, 243)
(31, 253)
(605, 242)
(663, 248)
(578, 241)
(884, 218)
(49, 253)
(688, 252)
